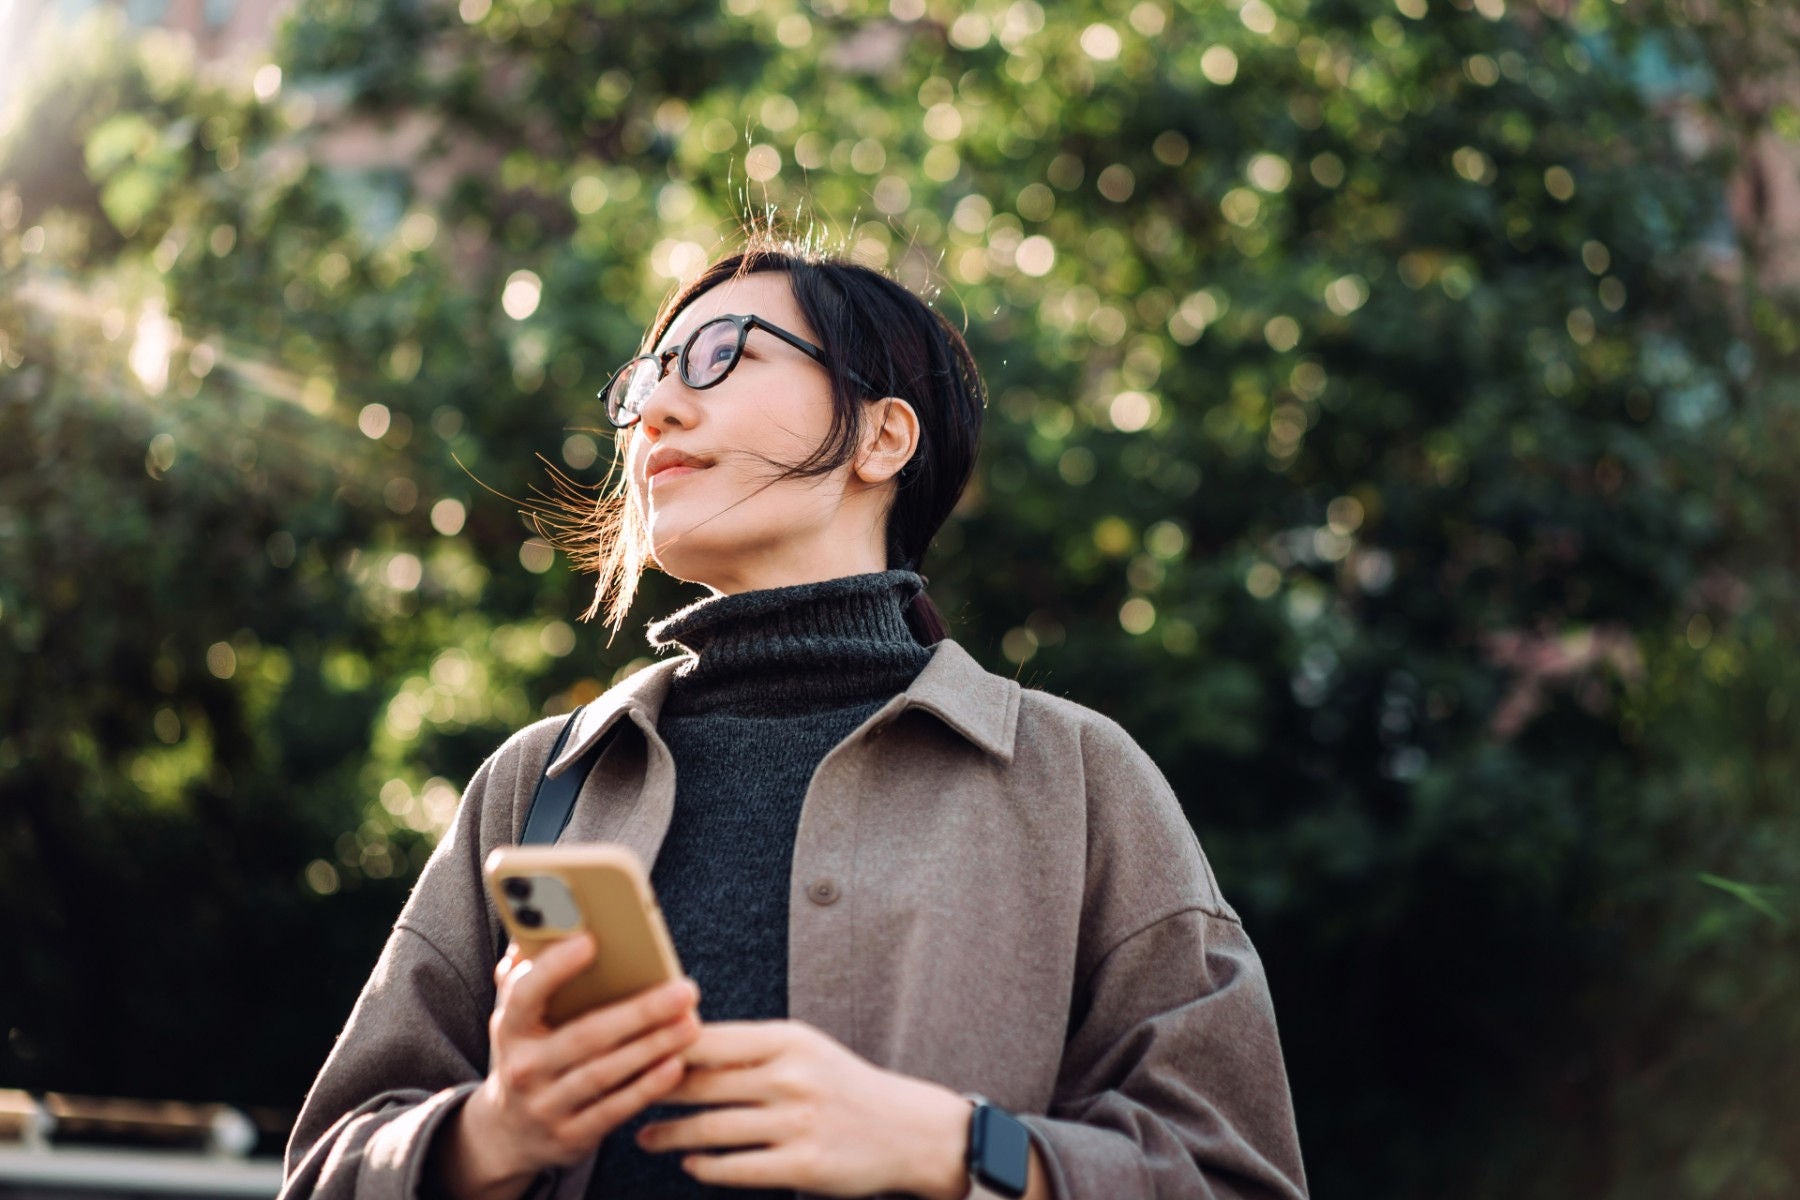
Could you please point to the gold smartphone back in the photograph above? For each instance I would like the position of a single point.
(547, 893)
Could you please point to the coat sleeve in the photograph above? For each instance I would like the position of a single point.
(415, 1046)
(1172, 1082)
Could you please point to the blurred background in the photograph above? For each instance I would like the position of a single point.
(1394, 420)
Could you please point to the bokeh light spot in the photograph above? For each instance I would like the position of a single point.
(1101, 42)
(405, 572)
(794, 30)
(1035, 255)
(1076, 466)
(943, 122)
(1270, 172)
(972, 214)
(1219, 64)
(1019, 644)
(580, 451)
(374, 420)
(521, 295)
(762, 162)
(1149, 18)
(447, 516)
(1257, 17)
(221, 660)
(1170, 147)
(321, 876)
(1036, 202)
(1137, 616)
(1133, 411)
(1116, 183)
(557, 639)
(868, 156)
(266, 83)
(1166, 540)
(1346, 294)
(941, 163)
(970, 31)
(1241, 207)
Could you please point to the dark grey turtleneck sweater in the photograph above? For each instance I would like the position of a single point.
(776, 679)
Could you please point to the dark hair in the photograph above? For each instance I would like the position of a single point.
(872, 329)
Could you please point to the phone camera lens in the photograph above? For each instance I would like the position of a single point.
(517, 888)
(530, 918)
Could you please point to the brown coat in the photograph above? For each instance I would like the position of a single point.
(993, 888)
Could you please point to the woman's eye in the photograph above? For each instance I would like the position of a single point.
(720, 355)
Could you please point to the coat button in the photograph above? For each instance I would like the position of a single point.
(823, 891)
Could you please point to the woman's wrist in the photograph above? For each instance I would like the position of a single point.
(463, 1165)
(940, 1151)
(937, 1154)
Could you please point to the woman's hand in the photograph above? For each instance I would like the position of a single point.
(802, 1111)
(552, 1093)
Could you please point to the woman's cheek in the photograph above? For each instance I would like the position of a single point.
(635, 453)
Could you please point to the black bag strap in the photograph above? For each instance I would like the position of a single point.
(554, 800)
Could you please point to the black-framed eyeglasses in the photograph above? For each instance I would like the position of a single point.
(704, 359)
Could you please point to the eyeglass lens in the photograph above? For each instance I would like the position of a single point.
(633, 388)
(712, 351)
(706, 358)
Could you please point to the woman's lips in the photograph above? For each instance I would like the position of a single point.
(675, 472)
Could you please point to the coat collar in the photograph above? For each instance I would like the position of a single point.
(982, 707)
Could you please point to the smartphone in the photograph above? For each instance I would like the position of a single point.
(547, 893)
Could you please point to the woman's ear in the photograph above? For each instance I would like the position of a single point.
(889, 440)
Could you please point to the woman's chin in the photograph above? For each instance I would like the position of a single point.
(689, 558)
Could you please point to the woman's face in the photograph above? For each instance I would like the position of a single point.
(704, 465)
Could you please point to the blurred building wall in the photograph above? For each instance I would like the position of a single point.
(219, 28)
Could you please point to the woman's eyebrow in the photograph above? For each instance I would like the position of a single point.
(669, 341)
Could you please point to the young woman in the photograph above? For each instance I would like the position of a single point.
(948, 937)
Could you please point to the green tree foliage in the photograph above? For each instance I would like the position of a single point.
(1386, 428)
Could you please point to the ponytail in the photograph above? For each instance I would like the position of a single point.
(925, 621)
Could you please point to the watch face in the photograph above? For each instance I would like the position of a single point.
(1000, 1147)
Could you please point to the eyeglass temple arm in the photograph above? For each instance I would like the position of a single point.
(817, 353)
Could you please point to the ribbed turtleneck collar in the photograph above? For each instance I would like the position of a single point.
(792, 650)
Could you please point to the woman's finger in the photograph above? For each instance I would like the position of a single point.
(594, 1122)
(740, 1043)
(527, 988)
(720, 1129)
(724, 1085)
(770, 1167)
(586, 1082)
(612, 1025)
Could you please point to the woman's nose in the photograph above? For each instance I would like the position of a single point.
(671, 403)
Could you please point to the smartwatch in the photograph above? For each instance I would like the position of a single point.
(999, 1153)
